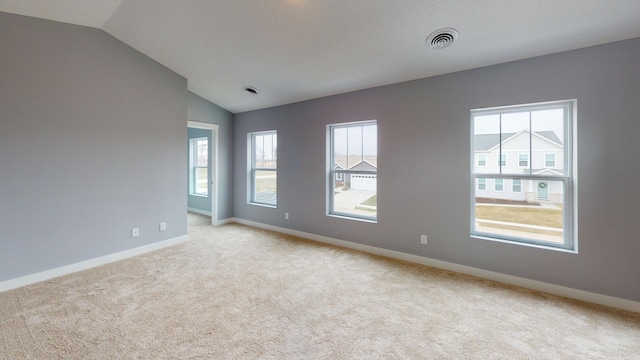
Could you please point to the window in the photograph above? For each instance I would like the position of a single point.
(199, 166)
(502, 160)
(263, 171)
(550, 160)
(482, 160)
(516, 186)
(539, 209)
(482, 184)
(353, 170)
(523, 160)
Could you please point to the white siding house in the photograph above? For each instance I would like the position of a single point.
(512, 156)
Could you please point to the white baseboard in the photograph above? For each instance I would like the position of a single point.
(84, 265)
(198, 211)
(207, 213)
(225, 221)
(591, 297)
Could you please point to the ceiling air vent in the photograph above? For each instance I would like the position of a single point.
(442, 38)
(250, 90)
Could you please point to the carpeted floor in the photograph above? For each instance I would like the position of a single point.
(237, 292)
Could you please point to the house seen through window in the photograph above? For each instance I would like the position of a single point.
(531, 200)
(353, 170)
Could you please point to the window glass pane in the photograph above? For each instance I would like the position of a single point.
(482, 160)
(370, 147)
(268, 151)
(201, 157)
(516, 185)
(486, 133)
(201, 180)
(265, 186)
(340, 148)
(523, 160)
(536, 213)
(354, 142)
(274, 151)
(259, 151)
(548, 126)
(550, 160)
(515, 140)
(502, 161)
(498, 184)
(355, 194)
(481, 184)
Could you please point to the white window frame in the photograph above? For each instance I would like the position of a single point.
(568, 178)
(519, 160)
(193, 161)
(484, 159)
(500, 161)
(482, 182)
(253, 168)
(513, 185)
(554, 161)
(333, 172)
(495, 185)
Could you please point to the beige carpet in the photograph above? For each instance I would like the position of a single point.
(237, 292)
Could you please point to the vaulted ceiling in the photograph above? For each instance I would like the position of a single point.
(294, 50)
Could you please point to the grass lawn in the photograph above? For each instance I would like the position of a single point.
(530, 215)
(372, 201)
(266, 181)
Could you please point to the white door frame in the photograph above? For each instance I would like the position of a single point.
(214, 165)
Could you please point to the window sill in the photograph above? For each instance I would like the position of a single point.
(514, 242)
(263, 205)
(200, 195)
(345, 217)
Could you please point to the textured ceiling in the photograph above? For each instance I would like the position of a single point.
(293, 50)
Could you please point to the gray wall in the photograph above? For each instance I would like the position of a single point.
(199, 202)
(91, 145)
(424, 161)
(202, 110)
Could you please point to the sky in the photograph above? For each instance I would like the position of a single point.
(541, 120)
(357, 139)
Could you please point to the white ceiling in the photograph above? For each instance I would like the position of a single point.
(293, 50)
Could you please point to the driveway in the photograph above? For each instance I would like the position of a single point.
(346, 201)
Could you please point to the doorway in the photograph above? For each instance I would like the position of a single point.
(543, 190)
(211, 132)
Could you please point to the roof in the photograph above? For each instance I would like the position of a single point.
(353, 160)
(483, 142)
(545, 171)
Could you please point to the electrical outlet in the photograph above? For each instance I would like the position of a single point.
(163, 226)
(135, 232)
(423, 239)
(286, 216)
